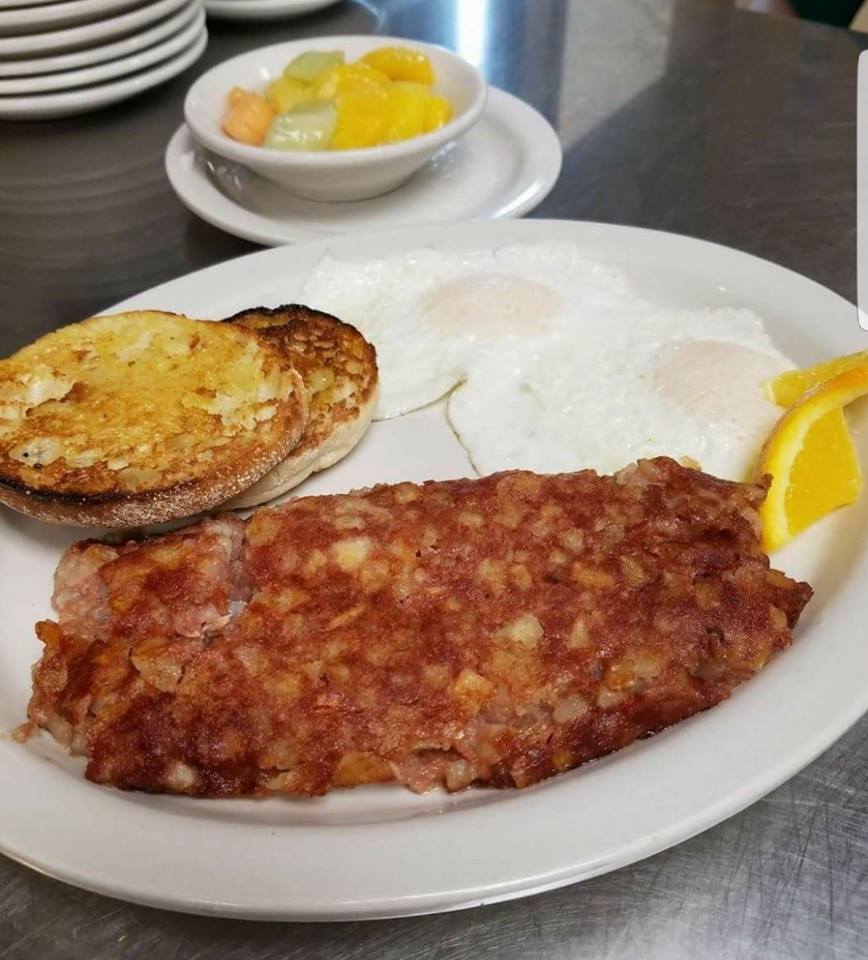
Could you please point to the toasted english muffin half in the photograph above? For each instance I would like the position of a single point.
(339, 369)
(143, 417)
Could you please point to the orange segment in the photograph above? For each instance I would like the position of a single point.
(362, 119)
(437, 113)
(811, 459)
(826, 473)
(408, 103)
(401, 63)
(788, 387)
(348, 78)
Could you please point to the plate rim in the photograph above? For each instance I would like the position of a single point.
(232, 9)
(82, 99)
(66, 13)
(72, 38)
(104, 52)
(118, 69)
(19, 4)
(629, 852)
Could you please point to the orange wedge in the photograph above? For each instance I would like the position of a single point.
(828, 448)
(811, 460)
(788, 387)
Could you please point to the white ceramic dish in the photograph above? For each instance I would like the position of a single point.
(92, 56)
(47, 17)
(330, 175)
(380, 850)
(107, 71)
(503, 167)
(16, 4)
(263, 9)
(74, 38)
(40, 106)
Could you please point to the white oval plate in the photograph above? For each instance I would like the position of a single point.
(40, 106)
(263, 9)
(74, 38)
(55, 15)
(380, 850)
(93, 56)
(503, 167)
(107, 71)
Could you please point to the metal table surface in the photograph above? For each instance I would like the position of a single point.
(682, 115)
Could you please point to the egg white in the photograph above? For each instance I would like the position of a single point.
(553, 362)
(430, 314)
(685, 385)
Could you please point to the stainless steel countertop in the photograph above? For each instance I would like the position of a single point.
(682, 115)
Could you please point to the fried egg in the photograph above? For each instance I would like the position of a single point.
(552, 362)
(684, 385)
(430, 314)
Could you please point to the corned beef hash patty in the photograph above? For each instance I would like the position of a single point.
(493, 631)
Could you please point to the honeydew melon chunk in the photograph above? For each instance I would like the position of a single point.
(309, 65)
(309, 127)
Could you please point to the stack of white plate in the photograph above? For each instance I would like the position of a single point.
(70, 56)
(262, 9)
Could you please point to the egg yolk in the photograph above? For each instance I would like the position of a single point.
(492, 305)
(695, 374)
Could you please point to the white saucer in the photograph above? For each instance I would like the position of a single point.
(91, 56)
(263, 9)
(88, 76)
(502, 168)
(73, 38)
(41, 106)
(29, 20)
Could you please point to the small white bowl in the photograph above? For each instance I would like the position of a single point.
(331, 174)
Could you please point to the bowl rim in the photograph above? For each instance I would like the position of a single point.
(224, 145)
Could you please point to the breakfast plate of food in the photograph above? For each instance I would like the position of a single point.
(453, 564)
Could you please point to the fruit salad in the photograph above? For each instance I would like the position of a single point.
(321, 102)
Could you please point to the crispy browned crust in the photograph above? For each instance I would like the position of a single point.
(339, 368)
(161, 506)
(86, 495)
(314, 341)
(493, 631)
